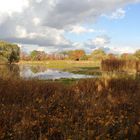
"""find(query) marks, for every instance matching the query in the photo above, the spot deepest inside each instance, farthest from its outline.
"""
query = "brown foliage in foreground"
(120, 65)
(90, 109)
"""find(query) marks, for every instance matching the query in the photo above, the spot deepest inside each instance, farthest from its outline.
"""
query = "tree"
(98, 54)
(76, 54)
(34, 55)
(85, 57)
(137, 54)
(128, 56)
(10, 52)
(38, 55)
(24, 56)
(111, 56)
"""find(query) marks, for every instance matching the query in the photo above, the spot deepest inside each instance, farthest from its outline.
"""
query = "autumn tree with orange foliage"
(76, 54)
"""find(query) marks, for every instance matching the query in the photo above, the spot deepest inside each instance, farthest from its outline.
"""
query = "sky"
(60, 25)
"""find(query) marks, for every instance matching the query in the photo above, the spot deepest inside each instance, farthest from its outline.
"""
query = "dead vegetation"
(90, 109)
(120, 65)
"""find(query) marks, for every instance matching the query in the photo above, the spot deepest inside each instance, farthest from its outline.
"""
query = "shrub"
(120, 65)
(9, 52)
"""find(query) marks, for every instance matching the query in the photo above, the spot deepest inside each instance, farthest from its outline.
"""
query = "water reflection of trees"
(37, 69)
(9, 71)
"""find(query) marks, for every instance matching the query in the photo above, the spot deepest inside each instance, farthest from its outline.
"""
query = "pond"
(38, 72)
(43, 73)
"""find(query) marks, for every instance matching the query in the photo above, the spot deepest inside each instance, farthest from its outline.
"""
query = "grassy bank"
(89, 109)
(78, 67)
(63, 64)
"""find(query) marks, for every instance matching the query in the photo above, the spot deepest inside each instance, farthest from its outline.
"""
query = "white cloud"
(95, 43)
(100, 41)
(44, 22)
(41, 49)
(10, 6)
(120, 48)
(38, 1)
(43, 37)
(118, 14)
(36, 21)
(21, 32)
(78, 29)
(82, 11)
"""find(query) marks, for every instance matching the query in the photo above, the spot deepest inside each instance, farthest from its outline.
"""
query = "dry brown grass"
(90, 109)
(120, 65)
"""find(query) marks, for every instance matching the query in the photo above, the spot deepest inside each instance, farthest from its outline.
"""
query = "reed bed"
(120, 65)
(89, 109)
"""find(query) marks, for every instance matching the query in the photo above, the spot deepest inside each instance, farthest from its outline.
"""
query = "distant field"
(64, 64)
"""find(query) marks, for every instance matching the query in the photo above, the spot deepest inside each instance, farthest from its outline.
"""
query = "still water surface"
(43, 73)
(37, 72)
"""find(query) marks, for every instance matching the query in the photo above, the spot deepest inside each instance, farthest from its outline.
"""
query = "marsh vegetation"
(42, 99)
(87, 109)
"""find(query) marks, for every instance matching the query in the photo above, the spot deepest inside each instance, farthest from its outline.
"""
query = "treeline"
(65, 55)
(10, 53)
(77, 55)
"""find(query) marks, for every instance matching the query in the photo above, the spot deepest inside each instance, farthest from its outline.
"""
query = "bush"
(3, 60)
(120, 65)
(9, 52)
